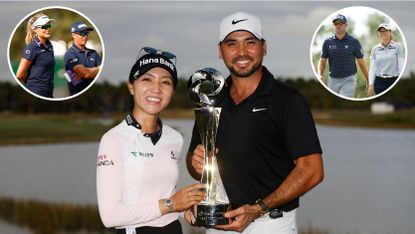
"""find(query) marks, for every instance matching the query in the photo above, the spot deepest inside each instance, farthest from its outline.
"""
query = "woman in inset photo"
(36, 68)
(137, 164)
(387, 60)
(381, 64)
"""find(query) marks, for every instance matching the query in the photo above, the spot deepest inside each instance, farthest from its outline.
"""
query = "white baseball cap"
(385, 26)
(42, 20)
(240, 21)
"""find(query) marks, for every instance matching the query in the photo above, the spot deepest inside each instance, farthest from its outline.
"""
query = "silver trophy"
(207, 87)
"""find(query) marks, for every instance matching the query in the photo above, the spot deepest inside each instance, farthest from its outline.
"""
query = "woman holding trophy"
(137, 164)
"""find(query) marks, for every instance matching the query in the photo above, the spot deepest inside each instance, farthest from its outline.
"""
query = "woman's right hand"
(370, 90)
(22, 69)
(188, 196)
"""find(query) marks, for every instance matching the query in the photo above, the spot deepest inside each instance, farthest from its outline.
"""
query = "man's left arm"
(308, 172)
(358, 53)
(363, 67)
(73, 63)
(86, 72)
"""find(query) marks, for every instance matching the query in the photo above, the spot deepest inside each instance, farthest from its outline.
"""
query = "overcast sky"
(191, 31)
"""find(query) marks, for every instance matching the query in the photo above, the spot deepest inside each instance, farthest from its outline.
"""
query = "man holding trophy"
(266, 148)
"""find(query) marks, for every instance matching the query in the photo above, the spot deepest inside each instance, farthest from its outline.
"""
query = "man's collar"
(77, 49)
(265, 86)
(346, 36)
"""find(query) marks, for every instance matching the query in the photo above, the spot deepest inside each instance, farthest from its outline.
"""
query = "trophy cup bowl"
(207, 88)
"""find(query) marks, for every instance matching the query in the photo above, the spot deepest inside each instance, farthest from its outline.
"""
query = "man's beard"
(244, 73)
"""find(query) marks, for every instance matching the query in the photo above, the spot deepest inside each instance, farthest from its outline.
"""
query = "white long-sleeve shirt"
(386, 61)
(133, 173)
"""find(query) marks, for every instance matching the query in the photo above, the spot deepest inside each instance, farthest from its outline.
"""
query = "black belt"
(275, 213)
(171, 228)
(387, 77)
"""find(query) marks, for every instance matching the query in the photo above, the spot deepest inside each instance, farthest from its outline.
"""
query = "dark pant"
(172, 228)
(382, 84)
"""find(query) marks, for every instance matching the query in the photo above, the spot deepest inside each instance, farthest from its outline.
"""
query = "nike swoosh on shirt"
(235, 22)
(258, 109)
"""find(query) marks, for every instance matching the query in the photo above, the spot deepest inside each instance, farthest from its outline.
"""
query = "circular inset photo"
(55, 53)
(358, 53)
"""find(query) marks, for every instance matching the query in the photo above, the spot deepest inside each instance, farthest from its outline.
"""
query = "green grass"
(47, 217)
(22, 129)
(35, 129)
(363, 118)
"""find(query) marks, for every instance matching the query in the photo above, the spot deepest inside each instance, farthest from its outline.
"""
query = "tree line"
(104, 98)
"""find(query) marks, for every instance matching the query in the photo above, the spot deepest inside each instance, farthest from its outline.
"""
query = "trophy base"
(210, 214)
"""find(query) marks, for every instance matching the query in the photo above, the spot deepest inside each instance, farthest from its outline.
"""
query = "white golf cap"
(240, 21)
(385, 26)
(42, 20)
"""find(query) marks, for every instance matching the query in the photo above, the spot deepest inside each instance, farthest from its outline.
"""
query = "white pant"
(343, 86)
(287, 224)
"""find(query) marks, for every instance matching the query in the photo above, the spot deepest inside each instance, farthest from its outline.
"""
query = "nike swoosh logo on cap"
(235, 22)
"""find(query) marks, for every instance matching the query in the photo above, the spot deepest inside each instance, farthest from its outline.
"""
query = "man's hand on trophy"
(241, 218)
(189, 216)
(188, 196)
(198, 159)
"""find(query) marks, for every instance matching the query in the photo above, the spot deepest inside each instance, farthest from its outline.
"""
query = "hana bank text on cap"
(240, 21)
(153, 58)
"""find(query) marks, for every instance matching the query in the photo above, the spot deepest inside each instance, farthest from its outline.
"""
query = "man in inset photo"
(342, 50)
(81, 63)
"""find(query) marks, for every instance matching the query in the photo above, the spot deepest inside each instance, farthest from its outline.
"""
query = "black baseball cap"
(149, 61)
(341, 18)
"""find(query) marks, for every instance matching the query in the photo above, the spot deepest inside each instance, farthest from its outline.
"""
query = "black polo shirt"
(259, 139)
(342, 55)
(75, 56)
(39, 78)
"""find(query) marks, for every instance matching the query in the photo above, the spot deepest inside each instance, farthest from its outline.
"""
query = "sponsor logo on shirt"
(74, 60)
(102, 160)
(27, 52)
(140, 154)
(173, 156)
(333, 47)
(92, 59)
(258, 109)
(346, 47)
